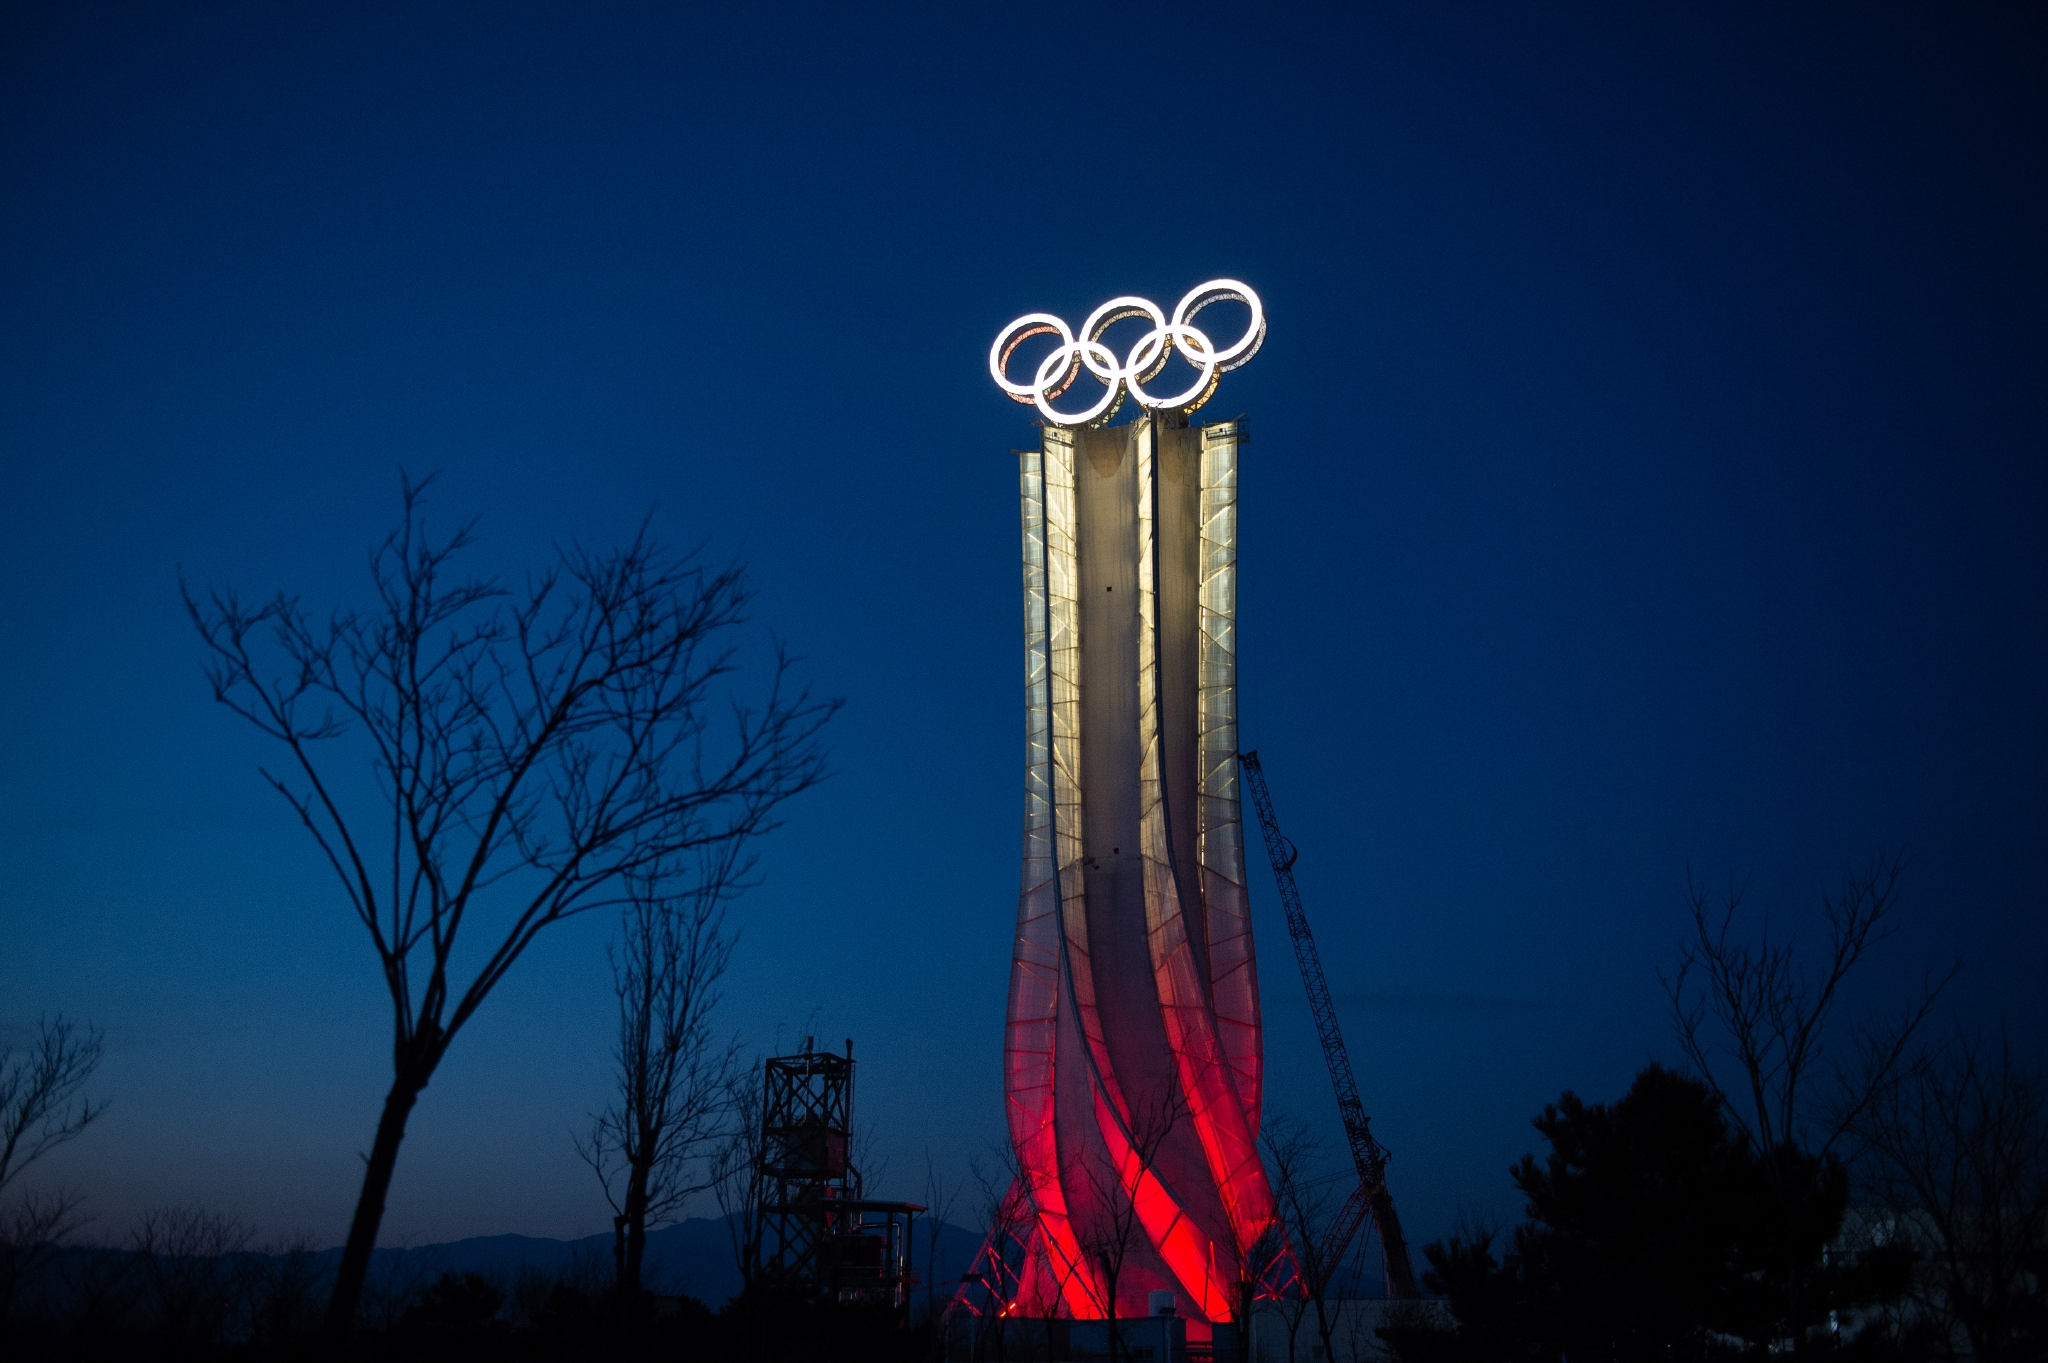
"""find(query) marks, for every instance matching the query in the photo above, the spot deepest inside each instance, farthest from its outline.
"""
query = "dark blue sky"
(1647, 473)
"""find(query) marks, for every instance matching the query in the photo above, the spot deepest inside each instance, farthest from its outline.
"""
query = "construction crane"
(1371, 1196)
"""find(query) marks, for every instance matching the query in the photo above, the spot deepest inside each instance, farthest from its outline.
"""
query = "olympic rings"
(1147, 358)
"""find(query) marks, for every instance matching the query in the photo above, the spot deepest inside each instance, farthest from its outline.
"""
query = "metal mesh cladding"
(1132, 1055)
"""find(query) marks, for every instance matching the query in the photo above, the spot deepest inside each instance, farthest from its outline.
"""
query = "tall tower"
(1132, 1055)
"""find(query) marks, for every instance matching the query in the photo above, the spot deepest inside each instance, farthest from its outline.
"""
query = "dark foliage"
(93, 1304)
(454, 1305)
(781, 1321)
(1655, 1233)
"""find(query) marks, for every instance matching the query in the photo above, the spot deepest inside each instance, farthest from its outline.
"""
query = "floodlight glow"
(1133, 1066)
(1145, 361)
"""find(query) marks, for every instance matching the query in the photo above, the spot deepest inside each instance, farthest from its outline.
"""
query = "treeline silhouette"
(1811, 1188)
(187, 1287)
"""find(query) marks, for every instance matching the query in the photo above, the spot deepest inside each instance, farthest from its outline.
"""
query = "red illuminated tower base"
(1133, 1052)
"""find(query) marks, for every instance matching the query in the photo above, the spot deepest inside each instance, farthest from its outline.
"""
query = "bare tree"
(39, 1111)
(1757, 1015)
(37, 1085)
(1308, 1205)
(186, 1259)
(398, 1278)
(939, 1197)
(98, 1306)
(650, 1149)
(1112, 1228)
(1057, 1276)
(1262, 1261)
(32, 1228)
(1958, 1155)
(735, 1166)
(284, 1284)
(1007, 1213)
(531, 751)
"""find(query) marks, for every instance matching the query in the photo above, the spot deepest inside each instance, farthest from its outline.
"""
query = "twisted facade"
(1132, 1052)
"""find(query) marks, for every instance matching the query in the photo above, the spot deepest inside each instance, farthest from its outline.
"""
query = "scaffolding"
(814, 1227)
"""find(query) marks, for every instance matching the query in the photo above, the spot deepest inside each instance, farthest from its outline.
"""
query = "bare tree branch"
(939, 1197)
(33, 1228)
(1957, 1153)
(1760, 1011)
(37, 1085)
(533, 754)
(1008, 1216)
(734, 1171)
(1112, 1227)
(651, 1150)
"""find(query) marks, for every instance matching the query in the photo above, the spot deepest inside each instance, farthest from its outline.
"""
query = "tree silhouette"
(533, 751)
(1112, 1227)
(650, 1149)
(1755, 1019)
(1305, 1205)
(1260, 1251)
(735, 1173)
(187, 1260)
(1957, 1155)
(1006, 1210)
(939, 1197)
(37, 1085)
(1053, 1273)
(1655, 1232)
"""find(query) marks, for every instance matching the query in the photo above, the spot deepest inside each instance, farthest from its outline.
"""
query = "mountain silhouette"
(688, 1258)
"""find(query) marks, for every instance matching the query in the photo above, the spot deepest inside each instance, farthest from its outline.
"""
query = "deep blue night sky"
(1647, 474)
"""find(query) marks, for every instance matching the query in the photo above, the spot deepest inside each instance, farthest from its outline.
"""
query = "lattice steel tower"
(812, 1225)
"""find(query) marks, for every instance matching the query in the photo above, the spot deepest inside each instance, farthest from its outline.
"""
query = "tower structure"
(1132, 1053)
(811, 1223)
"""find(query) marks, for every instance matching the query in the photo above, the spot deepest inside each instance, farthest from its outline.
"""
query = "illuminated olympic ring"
(1147, 357)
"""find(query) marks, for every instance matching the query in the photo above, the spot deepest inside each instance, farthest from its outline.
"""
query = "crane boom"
(1367, 1153)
